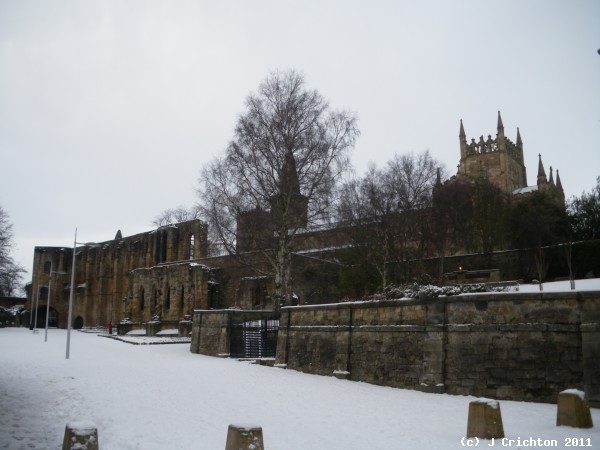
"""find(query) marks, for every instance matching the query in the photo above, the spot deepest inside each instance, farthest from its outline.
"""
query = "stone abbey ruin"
(506, 346)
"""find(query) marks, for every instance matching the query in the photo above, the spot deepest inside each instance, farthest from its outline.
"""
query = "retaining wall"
(211, 329)
(513, 346)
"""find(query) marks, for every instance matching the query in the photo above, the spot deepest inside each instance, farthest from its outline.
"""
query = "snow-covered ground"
(592, 284)
(162, 397)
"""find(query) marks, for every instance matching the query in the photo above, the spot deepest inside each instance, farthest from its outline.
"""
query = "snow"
(81, 428)
(591, 284)
(487, 401)
(155, 397)
(576, 392)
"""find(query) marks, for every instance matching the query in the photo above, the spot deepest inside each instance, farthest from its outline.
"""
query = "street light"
(89, 244)
(48, 302)
(37, 300)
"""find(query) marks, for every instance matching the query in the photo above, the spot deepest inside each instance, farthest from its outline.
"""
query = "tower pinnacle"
(500, 124)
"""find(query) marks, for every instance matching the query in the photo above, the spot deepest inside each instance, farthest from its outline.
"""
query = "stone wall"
(170, 291)
(102, 271)
(514, 346)
(211, 330)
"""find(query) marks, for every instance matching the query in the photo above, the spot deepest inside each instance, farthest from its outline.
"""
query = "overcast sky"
(109, 109)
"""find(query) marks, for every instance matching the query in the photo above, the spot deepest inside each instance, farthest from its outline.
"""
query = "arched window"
(192, 246)
(142, 299)
(168, 298)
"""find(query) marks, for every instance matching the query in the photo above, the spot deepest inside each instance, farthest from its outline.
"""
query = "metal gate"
(254, 339)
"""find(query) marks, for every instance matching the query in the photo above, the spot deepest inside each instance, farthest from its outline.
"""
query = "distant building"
(167, 273)
(500, 161)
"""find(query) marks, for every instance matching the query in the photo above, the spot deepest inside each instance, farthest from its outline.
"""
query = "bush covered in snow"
(416, 290)
(9, 316)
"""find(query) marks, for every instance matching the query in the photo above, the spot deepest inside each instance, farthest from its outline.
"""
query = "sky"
(109, 109)
(157, 397)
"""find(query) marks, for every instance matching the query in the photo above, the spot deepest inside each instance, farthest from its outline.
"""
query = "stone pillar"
(124, 327)
(153, 327)
(342, 344)
(80, 436)
(485, 419)
(281, 355)
(434, 349)
(244, 437)
(195, 345)
(573, 410)
(590, 343)
(185, 327)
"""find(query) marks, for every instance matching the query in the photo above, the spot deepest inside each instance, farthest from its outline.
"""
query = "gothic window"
(192, 246)
(47, 267)
(160, 248)
(168, 298)
(213, 295)
(257, 297)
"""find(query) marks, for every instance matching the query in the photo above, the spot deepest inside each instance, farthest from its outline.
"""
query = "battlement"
(493, 145)
(498, 160)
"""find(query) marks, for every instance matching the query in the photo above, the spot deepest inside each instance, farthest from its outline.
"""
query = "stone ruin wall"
(169, 291)
(506, 346)
(102, 273)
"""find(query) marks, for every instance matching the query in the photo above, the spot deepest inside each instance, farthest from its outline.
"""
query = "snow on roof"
(525, 190)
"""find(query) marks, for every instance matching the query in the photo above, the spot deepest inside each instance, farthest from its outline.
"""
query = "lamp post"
(37, 299)
(70, 316)
(48, 301)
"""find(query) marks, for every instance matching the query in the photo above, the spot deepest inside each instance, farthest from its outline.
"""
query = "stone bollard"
(244, 437)
(573, 410)
(80, 436)
(485, 419)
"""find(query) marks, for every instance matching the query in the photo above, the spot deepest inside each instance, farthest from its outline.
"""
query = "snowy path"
(164, 397)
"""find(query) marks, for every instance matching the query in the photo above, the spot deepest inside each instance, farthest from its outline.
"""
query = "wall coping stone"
(463, 298)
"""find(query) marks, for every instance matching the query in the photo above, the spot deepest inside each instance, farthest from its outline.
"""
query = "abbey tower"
(498, 160)
(501, 162)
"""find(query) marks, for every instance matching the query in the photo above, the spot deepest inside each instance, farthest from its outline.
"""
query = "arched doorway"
(41, 317)
(78, 323)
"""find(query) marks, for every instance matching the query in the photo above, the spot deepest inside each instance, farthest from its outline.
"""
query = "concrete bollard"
(244, 437)
(485, 419)
(80, 436)
(573, 410)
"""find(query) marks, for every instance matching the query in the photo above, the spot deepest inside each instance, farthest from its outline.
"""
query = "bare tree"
(412, 177)
(383, 208)
(490, 218)
(368, 206)
(176, 215)
(11, 273)
(278, 173)
(450, 228)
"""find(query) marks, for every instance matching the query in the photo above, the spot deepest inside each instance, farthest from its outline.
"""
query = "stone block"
(573, 410)
(80, 436)
(185, 328)
(244, 437)
(485, 419)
